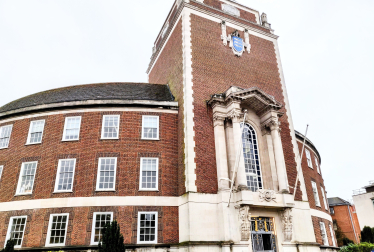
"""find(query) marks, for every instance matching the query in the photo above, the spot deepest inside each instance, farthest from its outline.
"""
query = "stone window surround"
(263, 108)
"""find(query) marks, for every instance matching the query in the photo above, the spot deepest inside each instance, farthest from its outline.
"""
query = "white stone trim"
(91, 110)
(189, 133)
(290, 121)
(320, 214)
(255, 12)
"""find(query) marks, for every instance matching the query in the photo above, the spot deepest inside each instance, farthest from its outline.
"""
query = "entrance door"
(262, 233)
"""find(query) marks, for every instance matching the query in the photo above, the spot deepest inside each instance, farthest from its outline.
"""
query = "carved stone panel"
(267, 195)
(286, 216)
(245, 223)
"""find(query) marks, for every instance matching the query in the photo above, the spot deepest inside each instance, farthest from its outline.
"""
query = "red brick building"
(345, 217)
(204, 159)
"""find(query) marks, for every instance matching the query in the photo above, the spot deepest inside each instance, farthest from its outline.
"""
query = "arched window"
(251, 158)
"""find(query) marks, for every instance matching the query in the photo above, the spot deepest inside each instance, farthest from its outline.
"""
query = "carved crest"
(286, 216)
(237, 44)
(267, 195)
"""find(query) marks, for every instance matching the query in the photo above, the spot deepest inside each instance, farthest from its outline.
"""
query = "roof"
(336, 201)
(119, 91)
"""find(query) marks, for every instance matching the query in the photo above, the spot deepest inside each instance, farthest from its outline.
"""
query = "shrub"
(112, 239)
(9, 246)
(367, 235)
(346, 241)
(362, 247)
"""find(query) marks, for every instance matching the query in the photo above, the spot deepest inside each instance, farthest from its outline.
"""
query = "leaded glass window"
(36, 132)
(251, 158)
(98, 223)
(5, 132)
(150, 127)
(149, 174)
(110, 128)
(27, 177)
(106, 175)
(57, 229)
(65, 175)
(16, 230)
(147, 227)
(72, 128)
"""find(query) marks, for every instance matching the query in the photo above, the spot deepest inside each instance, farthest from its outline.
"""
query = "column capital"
(270, 124)
(218, 120)
(235, 115)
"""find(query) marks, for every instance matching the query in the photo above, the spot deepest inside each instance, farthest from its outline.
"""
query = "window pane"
(17, 230)
(251, 158)
(147, 228)
(150, 127)
(5, 132)
(36, 131)
(99, 222)
(72, 127)
(149, 173)
(111, 125)
(65, 175)
(107, 170)
(58, 229)
(27, 177)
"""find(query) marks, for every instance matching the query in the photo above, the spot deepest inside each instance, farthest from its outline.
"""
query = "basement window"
(5, 132)
(16, 230)
(98, 223)
(57, 229)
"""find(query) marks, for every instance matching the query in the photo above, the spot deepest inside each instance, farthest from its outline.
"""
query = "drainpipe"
(354, 230)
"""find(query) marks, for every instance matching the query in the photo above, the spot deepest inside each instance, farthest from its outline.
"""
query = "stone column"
(221, 153)
(241, 178)
(278, 153)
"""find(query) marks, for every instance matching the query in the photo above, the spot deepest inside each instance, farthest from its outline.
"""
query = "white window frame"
(98, 175)
(94, 225)
(325, 239)
(79, 129)
(324, 198)
(10, 227)
(158, 128)
(141, 170)
(58, 176)
(317, 164)
(11, 129)
(29, 135)
(308, 158)
(103, 125)
(1, 170)
(47, 244)
(315, 193)
(20, 176)
(332, 236)
(156, 227)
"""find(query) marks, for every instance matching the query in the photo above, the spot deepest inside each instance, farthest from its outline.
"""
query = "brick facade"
(348, 226)
(317, 230)
(79, 229)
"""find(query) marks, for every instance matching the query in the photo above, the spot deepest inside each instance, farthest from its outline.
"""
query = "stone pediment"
(253, 98)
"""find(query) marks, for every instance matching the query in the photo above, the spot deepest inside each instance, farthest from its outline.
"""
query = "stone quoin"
(204, 157)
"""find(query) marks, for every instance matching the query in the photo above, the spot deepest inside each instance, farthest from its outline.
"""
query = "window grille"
(149, 173)
(36, 132)
(72, 128)
(262, 234)
(324, 234)
(65, 175)
(16, 230)
(308, 158)
(98, 223)
(317, 164)
(315, 193)
(106, 175)
(27, 177)
(5, 133)
(57, 229)
(251, 158)
(150, 127)
(110, 129)
(147, 227)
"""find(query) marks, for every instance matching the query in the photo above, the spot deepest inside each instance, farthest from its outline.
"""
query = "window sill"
(148, 190)
(23, 194)
(69, 140)
(97, 190)
(55, 245)
(109, 138)
(2, 148)
(146, 242)
(33, 143)
(151, 139)
(57, 192)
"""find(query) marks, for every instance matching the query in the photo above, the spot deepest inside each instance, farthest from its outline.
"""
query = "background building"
(205, 159)
(345, 217)
(364, 202)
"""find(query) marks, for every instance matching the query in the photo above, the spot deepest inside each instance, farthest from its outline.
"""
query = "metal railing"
(359, 191)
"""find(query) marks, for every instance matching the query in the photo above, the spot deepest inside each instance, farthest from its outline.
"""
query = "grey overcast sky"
(326, 49)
